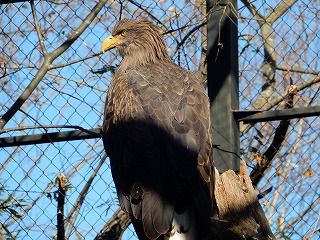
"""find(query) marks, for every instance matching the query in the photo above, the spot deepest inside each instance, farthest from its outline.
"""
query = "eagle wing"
(157, 135)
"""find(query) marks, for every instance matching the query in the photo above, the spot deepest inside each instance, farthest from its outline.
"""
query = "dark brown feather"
(157, 134)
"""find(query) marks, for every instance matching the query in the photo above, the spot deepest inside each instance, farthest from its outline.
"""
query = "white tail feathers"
(184, 226)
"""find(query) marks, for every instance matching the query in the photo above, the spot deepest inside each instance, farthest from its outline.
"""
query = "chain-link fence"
(279, 68)
(53, 79)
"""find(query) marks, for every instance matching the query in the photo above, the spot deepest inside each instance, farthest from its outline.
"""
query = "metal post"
(223, 83)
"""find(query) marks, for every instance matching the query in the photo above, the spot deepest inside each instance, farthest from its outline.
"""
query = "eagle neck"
(138, 61)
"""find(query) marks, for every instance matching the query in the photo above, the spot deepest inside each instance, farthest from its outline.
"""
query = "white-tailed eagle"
(156, 132)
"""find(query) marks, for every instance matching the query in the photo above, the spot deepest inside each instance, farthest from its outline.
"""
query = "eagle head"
(138, 40)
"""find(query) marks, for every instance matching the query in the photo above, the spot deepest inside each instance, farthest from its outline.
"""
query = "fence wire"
(279, 48)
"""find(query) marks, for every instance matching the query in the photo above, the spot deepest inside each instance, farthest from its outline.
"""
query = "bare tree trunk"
(115, 227)
(266, 100)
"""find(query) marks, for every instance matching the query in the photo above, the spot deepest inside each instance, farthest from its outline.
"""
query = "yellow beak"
(109, 43)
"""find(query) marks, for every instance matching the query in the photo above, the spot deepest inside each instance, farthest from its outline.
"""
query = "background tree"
(51, 80)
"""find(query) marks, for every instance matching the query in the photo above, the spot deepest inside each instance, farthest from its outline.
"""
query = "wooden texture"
(240, 213)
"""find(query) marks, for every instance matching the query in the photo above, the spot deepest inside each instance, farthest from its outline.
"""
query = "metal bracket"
(275, 115)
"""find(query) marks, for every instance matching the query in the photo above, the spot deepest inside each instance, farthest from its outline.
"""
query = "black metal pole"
(276, 115)
(223, 83)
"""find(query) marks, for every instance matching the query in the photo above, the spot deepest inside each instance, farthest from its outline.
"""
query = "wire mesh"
(279, 68)
(279, 57)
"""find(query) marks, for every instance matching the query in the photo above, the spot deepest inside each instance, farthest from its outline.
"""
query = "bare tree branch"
(244, 128)
(297, 70)
(46, 191)
(38, 30)
(138, 5)
(266, 159)
(289, 158)
(75, 61)
(74, 212)
(46, 65)
(270, 55)
(203, 60)
(254, 11)
(283, 6)
(8, 160)
(305, 84)
(115, 227)
(74, 35)
(25, 95)
(303, 213)
(185, 38)
(79, 83)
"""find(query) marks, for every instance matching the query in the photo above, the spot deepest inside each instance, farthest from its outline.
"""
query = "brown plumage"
(156, 131)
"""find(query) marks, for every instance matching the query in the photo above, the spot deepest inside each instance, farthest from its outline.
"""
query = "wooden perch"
(240, 213)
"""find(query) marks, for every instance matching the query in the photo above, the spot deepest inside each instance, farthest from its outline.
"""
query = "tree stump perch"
(240, 213)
